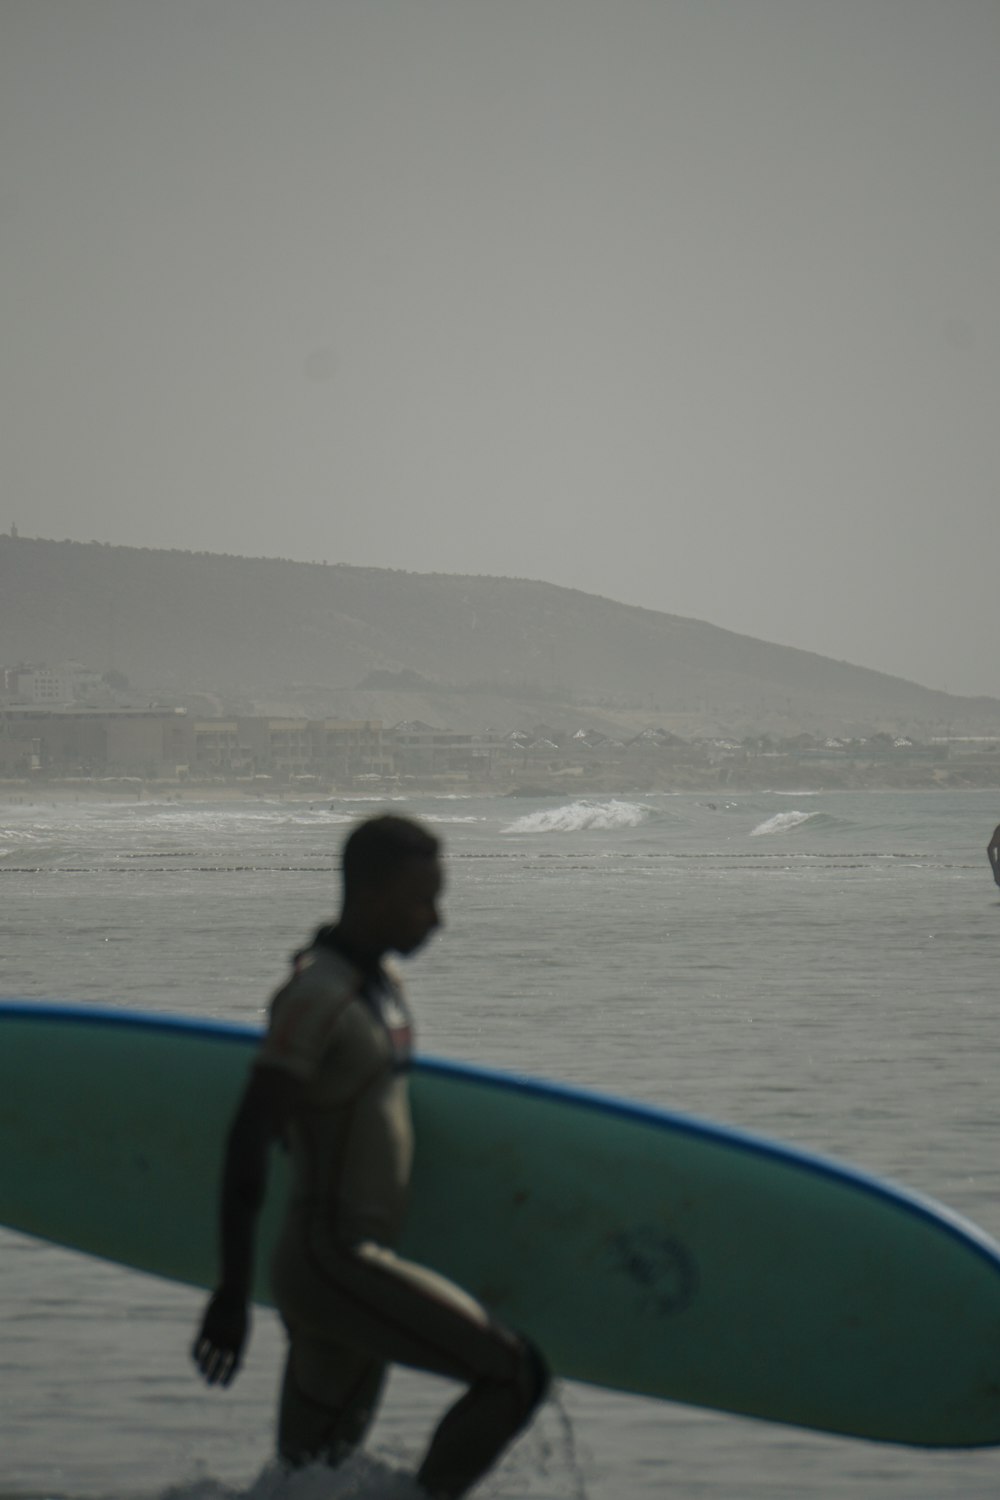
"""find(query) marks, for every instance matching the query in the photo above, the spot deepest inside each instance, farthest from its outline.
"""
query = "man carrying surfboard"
(330, 1081)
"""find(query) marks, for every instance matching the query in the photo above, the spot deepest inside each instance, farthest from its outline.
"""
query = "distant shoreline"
(752, 777)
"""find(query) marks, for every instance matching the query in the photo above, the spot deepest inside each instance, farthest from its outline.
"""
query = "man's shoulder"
(323, 968)
(305, 1012)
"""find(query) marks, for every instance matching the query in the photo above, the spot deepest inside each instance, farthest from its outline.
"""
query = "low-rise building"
(350, 747)
(217, 748)
(93, 741)
(422, 750)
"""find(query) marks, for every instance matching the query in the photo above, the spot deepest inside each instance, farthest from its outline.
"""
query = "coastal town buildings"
(56, 723)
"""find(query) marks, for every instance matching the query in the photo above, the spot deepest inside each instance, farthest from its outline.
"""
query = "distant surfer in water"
(993, 850)
(330, 1081)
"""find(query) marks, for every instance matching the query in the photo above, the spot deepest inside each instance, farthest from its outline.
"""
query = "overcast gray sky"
(691, 303)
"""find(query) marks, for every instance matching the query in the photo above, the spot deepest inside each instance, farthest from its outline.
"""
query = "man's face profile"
(408, 902)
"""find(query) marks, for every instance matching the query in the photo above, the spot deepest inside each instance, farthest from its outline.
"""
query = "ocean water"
(818, 967)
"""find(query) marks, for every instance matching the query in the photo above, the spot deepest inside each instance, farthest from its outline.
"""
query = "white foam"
(782, 823)
(361, 1477)
(577, 816)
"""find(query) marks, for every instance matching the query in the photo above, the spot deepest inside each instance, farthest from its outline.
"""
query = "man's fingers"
(217, 1365)
(218, 1346)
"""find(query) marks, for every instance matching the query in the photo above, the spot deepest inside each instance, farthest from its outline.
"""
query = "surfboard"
(645, 1251)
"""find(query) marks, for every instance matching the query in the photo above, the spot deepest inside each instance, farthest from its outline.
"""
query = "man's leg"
(389, 1311)
(328, 1399)
(474, 1432)
(409, 1315)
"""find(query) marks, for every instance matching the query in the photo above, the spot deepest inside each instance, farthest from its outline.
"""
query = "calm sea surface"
(818, 967)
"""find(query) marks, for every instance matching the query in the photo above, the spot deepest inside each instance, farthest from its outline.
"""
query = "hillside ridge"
(319, 636)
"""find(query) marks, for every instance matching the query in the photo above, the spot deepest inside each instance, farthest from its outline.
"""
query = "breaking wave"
(575, 817)
(784, 822)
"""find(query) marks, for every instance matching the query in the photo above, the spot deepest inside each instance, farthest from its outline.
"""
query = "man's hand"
(218, 1349)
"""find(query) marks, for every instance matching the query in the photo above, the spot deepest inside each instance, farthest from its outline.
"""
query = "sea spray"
(563, 1448)
(359, 1477)
(548, 1450)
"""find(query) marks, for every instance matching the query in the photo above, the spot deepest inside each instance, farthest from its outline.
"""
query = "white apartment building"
(70, 682)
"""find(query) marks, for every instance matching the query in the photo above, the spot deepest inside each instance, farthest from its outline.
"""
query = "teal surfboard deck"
(644, 1251)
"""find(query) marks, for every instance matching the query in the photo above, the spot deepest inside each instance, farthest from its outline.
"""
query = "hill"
(465, 652)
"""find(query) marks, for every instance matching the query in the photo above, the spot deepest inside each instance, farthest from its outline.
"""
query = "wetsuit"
(351, 1306)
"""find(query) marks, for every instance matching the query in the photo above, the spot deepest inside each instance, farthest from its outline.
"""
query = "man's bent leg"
(386, 1310)
(429, 1323)
(328, 1400)
(475, 1431)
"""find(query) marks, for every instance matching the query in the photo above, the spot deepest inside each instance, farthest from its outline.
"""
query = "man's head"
(392, 882)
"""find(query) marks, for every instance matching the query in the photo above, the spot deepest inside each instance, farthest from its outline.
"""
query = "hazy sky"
(691, 303)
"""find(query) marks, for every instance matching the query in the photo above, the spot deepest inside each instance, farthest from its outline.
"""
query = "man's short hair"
(377, 847)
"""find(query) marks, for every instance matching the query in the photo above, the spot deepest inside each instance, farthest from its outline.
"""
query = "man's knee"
(532, 1381)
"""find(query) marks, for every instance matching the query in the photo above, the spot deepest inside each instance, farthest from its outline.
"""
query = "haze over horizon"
(690, 305)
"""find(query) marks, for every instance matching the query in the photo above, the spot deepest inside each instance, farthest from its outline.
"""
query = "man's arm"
(267, 1103)
(993, 850)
